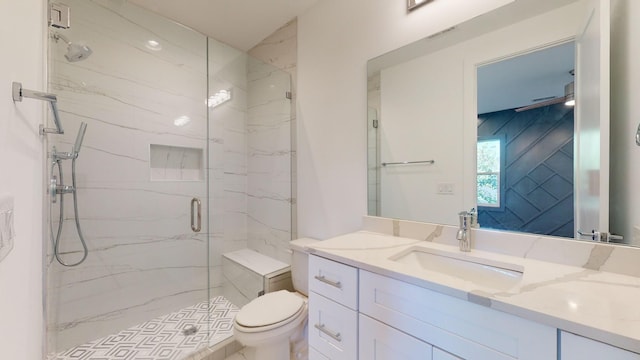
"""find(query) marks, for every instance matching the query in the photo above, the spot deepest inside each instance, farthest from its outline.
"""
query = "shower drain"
(189, 330)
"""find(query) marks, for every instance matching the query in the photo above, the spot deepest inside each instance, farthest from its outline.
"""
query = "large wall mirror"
(519, 113)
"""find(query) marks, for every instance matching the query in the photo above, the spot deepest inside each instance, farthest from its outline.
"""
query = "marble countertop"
(599, 305)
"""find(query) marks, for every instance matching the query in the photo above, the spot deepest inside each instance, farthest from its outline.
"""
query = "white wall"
(336, 38)
(21, 152)
(625, 115)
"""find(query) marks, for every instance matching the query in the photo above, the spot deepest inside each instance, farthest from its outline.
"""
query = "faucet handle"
(473, 214)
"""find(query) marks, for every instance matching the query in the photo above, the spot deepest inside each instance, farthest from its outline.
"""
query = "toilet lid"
(269, 309)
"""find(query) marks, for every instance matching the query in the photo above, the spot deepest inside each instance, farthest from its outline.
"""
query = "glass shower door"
(141, 179)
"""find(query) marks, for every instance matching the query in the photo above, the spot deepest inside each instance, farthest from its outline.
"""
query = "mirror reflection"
(525, 143)
(485, 102)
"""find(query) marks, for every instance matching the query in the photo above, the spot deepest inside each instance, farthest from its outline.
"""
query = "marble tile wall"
(144, 261)
(617, 259)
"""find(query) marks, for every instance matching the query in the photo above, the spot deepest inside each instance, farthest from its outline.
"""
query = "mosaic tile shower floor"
(162, 338)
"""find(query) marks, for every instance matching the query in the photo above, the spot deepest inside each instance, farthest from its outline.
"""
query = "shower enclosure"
(178, 125)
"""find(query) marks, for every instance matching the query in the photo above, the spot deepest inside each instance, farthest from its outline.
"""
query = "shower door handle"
(196, 219)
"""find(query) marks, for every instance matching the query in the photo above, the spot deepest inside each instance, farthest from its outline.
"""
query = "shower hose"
(56, 238)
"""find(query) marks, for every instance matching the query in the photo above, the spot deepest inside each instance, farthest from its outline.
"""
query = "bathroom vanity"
(377, 296)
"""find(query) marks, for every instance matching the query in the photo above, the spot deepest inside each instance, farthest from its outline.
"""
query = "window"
(489, 172)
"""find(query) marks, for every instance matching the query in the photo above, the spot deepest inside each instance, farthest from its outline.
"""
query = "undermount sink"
(493, 274)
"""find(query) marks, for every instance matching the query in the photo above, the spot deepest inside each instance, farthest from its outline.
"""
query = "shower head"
(79, 138)
(75, 51)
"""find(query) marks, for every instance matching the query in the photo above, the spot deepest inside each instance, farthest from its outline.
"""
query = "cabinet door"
(573, 347)
(381, 342)
(443, 355)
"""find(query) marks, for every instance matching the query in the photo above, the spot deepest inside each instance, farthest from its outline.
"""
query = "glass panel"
(250, 156)
(373, 162)
(144, 84)
(488, 156)
(250, 166)
(489, 190)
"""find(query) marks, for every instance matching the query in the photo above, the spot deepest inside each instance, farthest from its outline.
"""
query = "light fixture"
(569, 98)
(153, 45)
(219, 98)
(182, 120)
(414, 4)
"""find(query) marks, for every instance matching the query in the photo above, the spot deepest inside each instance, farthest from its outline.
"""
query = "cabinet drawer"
(333, 328)
(333, 280)
(382, 342)
(468, 330)
(574, 347)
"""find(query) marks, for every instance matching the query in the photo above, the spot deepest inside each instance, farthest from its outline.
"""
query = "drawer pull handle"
(334, 335)
(337, 284)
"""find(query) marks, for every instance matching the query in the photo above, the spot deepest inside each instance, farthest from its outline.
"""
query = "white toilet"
(272, 322)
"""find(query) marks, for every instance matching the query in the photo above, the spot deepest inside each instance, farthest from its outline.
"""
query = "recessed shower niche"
(175, 163)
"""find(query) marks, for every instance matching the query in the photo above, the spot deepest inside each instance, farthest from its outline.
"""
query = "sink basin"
(483, 272)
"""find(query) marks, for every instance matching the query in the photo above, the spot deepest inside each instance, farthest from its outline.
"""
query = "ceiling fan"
(568, 99)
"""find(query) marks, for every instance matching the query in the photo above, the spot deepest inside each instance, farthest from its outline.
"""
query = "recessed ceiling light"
(153, 45)
(219, 98)
(182, 120)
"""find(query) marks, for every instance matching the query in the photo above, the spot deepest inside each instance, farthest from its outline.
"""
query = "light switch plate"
(445, 189)
(7, 232)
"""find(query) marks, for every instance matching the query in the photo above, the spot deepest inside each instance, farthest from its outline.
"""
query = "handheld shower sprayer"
(59, 155)
(79, 138)
(56, 189)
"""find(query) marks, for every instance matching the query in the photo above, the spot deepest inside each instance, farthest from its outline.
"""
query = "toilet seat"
(270, 311)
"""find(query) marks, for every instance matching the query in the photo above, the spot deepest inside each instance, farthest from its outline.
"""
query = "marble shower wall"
(144, 261)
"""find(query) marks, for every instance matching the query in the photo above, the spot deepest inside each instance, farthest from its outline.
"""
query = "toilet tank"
(300, 264)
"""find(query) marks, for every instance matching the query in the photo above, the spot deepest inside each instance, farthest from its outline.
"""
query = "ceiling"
(239, 23)
(526, 79)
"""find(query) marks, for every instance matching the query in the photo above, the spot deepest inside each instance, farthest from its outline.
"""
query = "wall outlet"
(445, 189)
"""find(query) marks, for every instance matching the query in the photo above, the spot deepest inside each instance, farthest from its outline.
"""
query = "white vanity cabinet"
(461, 328)
(333, 310)
(574, 347)
(356, 314)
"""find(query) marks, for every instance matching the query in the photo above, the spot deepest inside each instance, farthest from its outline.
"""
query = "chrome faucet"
(468, 220)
